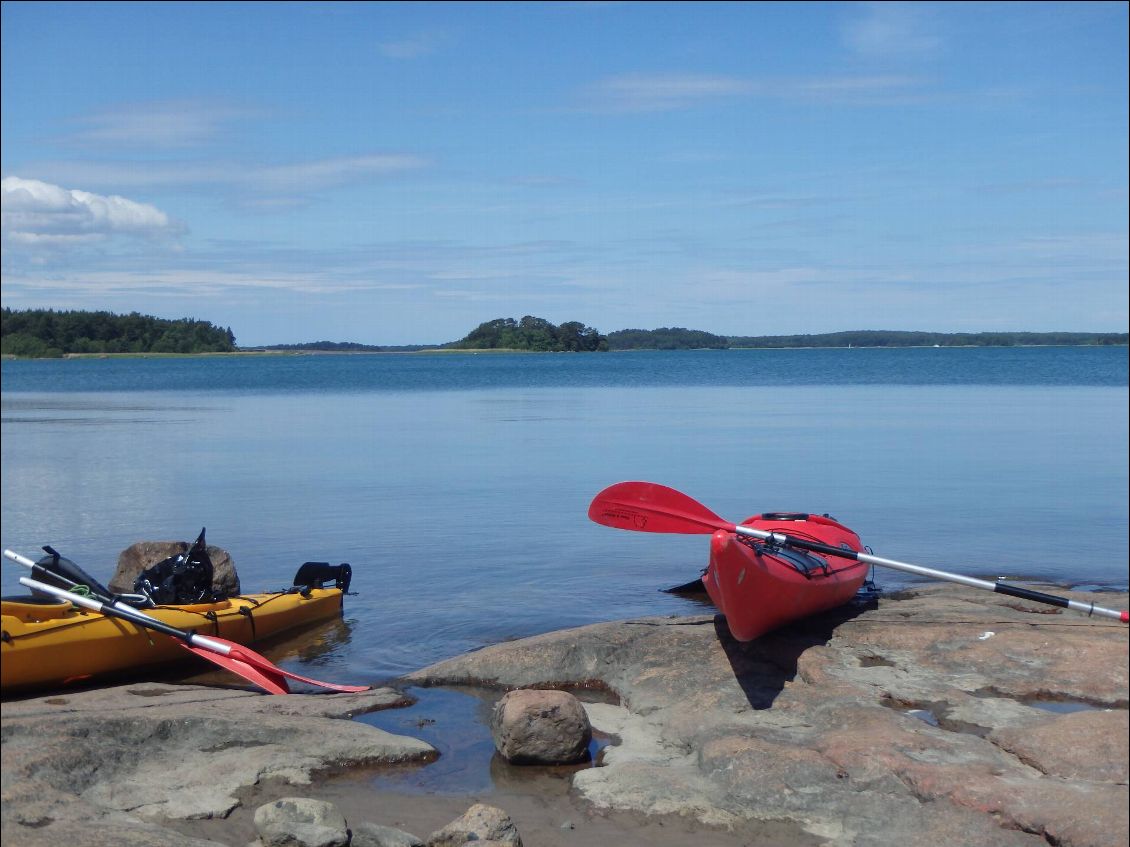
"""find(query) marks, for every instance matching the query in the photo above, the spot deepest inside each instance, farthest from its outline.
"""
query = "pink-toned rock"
(1091, 745)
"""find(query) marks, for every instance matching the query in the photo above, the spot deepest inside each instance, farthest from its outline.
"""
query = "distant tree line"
(892, 338)
(677, 338)
(349, 347)
(666, 338)
(534, 334)
(45, 333)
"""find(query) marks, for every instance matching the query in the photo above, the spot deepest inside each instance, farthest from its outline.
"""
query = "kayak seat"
(34, 607)
(317, 574)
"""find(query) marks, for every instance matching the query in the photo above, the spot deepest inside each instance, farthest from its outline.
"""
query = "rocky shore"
(938, 716)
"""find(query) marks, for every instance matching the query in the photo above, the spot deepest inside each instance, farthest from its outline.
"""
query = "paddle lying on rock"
(651, 507)
(236, 658)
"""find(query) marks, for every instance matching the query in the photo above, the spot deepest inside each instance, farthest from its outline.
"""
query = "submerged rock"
(480, 823)
(301, 822)
(376, 835)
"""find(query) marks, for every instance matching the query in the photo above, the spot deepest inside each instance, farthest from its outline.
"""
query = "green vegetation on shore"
(893, 338)
(45, 333)
(347, 347)
(677, 338)
(534, 334)
(666, 338)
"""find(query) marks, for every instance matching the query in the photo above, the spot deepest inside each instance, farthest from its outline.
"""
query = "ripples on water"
(453, 371)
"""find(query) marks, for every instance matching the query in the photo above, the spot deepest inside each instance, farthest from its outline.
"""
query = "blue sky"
(398, 173)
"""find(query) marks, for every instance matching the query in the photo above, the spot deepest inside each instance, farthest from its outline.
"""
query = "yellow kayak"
(49, 643)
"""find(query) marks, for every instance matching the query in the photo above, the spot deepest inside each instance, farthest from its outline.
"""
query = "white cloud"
(664, 92)
(39, 213)
(410, 48)
(630, 93)
(326, 173)
(893, 31)
(271, 180)
(156, 125)
(171, 281)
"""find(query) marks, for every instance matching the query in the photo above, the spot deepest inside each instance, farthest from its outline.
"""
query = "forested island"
(44, 333)
(535, 334)
(529, 334)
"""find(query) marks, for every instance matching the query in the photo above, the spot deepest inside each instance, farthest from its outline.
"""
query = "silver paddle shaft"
(782, 540)
(129, 613)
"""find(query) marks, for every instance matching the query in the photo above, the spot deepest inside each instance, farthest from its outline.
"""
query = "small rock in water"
(301, 822)
(540, 727)
(375, 835)
(479, 823)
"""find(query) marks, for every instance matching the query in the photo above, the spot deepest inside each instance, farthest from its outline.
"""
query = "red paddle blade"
(250, 657)
(651, 507)
(270, 682)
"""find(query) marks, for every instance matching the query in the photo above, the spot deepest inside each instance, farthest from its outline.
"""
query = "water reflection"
(318, 646)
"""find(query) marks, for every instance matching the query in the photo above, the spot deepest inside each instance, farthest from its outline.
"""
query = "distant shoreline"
(48, 334)
(432, 351)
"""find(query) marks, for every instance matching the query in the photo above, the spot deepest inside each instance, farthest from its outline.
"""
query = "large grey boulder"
(301, 822)
(144, 554)
(540, 727)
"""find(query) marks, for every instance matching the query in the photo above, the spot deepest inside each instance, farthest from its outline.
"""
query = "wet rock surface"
(106, 765)
(936, 716)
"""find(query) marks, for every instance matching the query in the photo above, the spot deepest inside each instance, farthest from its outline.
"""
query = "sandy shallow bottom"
(545, 815)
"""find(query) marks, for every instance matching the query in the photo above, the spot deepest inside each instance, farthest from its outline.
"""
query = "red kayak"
(776, 568)
(759, 586)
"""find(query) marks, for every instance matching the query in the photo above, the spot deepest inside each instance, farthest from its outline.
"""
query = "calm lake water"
(457, 485)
